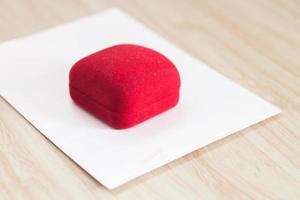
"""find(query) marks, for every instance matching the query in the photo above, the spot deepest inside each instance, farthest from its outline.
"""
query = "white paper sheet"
(34, 79)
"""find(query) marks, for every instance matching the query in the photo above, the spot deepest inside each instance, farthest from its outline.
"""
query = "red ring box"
(125, 84)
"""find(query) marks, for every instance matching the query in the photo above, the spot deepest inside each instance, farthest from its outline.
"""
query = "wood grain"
(255, 43)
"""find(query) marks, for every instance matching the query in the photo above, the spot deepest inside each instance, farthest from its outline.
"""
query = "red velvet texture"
(124, 85)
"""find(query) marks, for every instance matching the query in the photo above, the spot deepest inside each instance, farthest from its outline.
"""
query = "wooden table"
(255, 43)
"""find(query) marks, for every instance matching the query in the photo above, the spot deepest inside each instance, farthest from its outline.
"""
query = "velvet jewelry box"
(124, 85)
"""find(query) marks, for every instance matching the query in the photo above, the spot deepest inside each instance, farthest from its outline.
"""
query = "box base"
(122, 120)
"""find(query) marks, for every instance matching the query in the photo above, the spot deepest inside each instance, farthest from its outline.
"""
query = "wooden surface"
(255, 43)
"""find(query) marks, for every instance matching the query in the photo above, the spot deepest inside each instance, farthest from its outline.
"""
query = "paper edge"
(111, 185)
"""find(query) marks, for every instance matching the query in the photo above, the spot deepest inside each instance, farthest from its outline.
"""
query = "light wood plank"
(255, 43)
